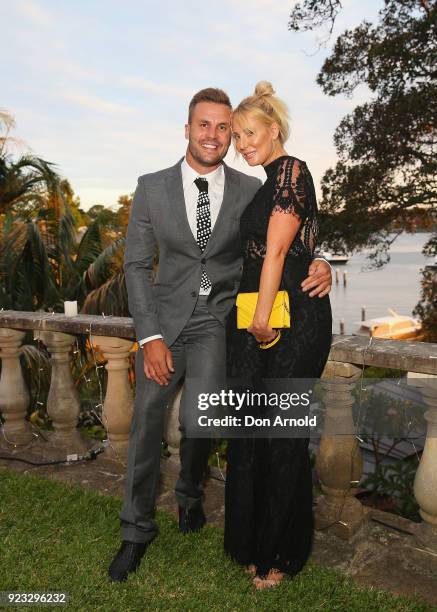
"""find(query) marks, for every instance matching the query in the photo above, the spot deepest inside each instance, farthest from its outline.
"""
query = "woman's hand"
(262, 331)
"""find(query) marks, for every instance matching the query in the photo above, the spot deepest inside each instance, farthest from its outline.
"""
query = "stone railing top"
(97, 325)
(397, 354)
(406, 355)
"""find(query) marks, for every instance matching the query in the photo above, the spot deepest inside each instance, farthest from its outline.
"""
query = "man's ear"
(187, 131)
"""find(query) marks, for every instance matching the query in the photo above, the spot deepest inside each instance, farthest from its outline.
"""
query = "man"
(191, 212)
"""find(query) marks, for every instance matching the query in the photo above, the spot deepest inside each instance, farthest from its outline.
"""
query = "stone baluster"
(339, 462)
(118, 403)
(63, 404)
(172, 433)
(14, 395)
(425, 483)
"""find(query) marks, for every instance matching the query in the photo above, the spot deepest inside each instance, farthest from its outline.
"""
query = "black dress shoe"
(191, 519)
(126, 560)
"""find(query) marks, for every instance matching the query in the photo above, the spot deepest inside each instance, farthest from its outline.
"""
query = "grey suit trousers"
(198, 352)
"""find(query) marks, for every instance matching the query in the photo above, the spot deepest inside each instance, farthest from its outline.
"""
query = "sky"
(102, 88)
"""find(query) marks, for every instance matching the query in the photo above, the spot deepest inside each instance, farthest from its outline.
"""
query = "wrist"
(260, 321)
(150, 343)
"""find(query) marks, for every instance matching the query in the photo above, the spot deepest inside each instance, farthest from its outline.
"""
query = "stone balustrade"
(338, 464)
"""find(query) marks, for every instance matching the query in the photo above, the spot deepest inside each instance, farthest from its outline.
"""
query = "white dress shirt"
(216, 187)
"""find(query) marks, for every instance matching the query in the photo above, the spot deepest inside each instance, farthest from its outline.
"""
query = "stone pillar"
(14, 395)
(118, 404)
(425, 483)
(63, 404)
(339, 462)
(172, 433)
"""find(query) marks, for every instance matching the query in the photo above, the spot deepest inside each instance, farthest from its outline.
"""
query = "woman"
(268, 524)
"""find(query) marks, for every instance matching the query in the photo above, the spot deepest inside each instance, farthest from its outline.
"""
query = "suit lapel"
(227, 208)
(175, 193)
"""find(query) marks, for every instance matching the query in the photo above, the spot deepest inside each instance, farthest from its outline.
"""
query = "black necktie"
(203, 222)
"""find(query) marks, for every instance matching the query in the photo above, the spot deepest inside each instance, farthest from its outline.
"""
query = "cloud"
(157, 88)
(35, 13)
(95, 103)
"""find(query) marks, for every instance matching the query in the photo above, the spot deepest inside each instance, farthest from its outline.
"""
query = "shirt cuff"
(149, 339)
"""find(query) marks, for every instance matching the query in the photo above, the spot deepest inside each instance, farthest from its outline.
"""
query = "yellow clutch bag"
(246, 304)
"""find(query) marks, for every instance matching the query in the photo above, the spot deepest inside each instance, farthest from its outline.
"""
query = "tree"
(23, 181)
(42, 264)
(313, 14)
(125, 203)
(43, 261)
(387, 167)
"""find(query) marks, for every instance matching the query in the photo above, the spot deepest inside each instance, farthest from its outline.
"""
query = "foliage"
(312, 14)
(124, 203)
(396, 480)
(426, 309)
(44, 260)
(73, 203)
(42, 265)
(24, 181)
(387, 164)
(385, 422)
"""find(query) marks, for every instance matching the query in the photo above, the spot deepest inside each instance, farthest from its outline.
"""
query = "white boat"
(335, 258)
(432, 266)
(393, 327)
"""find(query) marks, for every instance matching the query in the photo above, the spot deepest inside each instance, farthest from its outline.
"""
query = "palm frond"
(99, 271)
(110, 298)
(90, 246)
(37, 361)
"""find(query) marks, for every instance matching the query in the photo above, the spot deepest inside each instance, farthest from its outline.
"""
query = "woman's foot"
(251, 570)
(272, 579)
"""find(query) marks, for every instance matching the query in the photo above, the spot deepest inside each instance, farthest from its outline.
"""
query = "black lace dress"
(268, 519)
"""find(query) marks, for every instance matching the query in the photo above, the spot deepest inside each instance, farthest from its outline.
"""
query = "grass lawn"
(56, 537)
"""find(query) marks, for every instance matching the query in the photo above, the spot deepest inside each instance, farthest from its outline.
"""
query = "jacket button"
(203, 260)
(193, 294)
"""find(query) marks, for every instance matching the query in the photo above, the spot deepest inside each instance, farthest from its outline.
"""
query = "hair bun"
(264, 88)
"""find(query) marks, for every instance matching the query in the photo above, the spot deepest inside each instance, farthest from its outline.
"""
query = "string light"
(38, 433)
(355, 448)
(103, 420)
(219, 467)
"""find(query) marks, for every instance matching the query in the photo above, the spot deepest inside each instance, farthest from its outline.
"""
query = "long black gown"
(268, 518)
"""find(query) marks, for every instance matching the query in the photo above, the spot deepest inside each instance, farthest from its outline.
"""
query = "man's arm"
(138, 268)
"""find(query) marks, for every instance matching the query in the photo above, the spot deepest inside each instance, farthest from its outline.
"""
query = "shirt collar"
(189, 175)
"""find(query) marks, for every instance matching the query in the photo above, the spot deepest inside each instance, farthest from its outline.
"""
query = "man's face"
(208, 135)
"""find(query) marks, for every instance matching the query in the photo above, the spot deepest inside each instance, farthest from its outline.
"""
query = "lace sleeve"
(294, 191)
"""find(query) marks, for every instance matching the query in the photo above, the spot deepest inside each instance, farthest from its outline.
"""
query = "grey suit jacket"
(158, 218)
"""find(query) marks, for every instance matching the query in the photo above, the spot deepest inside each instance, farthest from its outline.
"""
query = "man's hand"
(158, 362)
(319, 278)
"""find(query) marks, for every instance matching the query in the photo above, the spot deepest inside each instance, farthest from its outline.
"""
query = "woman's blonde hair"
(264, 105)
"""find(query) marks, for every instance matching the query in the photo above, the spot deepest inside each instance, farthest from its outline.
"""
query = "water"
(396, 285)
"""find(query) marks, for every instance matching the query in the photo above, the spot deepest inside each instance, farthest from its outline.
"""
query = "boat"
(391, 327)
(432, 267)
(335, 258)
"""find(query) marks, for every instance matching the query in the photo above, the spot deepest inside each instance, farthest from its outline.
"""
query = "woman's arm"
(289, 208)
(280, 234)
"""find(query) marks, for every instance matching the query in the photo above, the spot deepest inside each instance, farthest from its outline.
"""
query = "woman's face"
(257, 142)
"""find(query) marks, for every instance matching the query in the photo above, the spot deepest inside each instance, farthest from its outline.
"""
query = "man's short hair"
(210, 94)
